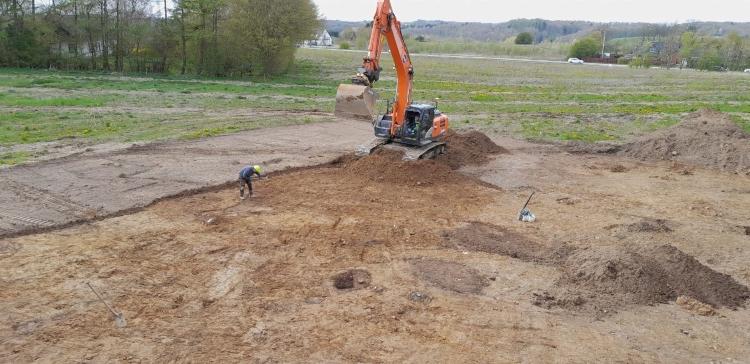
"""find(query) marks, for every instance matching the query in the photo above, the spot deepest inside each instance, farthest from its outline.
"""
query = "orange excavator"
(417, 129)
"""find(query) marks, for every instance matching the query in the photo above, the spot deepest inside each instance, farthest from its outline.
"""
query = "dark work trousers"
(249, 183)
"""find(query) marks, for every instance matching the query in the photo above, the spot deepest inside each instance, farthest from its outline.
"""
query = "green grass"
(577, 131)
(25, 127)
(551, 51)
(13, 158)
(531, 100)
(25, 101)
(742, 122)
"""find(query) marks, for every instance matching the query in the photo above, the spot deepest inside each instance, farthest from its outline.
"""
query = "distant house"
(322, 39)
(656, 47)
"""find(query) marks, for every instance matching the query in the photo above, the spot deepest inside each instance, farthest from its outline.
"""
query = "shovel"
(119, 318)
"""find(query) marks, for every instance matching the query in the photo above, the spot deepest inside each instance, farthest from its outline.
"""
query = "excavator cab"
(424, 125)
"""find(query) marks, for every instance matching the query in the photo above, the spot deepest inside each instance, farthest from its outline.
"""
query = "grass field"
(531, 100)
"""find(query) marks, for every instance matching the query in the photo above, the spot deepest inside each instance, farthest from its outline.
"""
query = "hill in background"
(544, 30)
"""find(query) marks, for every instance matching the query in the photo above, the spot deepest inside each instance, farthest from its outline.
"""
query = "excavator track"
(367, 149)
(429, 151)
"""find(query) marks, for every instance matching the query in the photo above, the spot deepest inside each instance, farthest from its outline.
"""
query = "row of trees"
(205, 37)
(676, 48)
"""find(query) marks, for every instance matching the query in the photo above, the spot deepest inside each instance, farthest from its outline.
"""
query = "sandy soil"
(86, 182)
(341, 264)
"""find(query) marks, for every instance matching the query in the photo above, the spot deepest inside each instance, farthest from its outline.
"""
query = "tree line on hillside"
(676, 48)
(204, 37)
(544, 30)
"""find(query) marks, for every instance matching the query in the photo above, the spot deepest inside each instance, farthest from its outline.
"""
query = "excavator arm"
(386, 25)
(356, 99)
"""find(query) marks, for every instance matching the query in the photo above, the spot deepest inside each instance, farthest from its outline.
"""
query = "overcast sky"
(657, 11)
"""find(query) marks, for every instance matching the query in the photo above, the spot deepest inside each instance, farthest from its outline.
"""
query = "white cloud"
(658, 11)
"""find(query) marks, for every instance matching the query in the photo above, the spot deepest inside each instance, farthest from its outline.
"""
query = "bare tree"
(104, 21)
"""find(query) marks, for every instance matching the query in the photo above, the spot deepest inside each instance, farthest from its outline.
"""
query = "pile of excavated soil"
(604, 279)
(386, 165)
(472, 148)
(610, 277)
(705, 138)
(650, 226)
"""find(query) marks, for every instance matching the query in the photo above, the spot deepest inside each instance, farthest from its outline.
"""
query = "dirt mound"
(491, 239)
(450, 276)
(387, 166)
(705, 138)
(472, 148)
(650, 226)
(611, 277)
(604, 279)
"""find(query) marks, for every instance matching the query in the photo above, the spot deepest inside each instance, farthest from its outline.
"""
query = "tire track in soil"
(48, 199)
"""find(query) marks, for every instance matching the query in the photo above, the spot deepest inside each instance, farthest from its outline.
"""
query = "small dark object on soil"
(618, 169)
(352, 279)
(417, 296)
(543, 299)
(650, 226)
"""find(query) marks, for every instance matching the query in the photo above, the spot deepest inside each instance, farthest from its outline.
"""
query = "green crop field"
(547, 101)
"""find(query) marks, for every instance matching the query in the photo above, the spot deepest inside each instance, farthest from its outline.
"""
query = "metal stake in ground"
(119, 318)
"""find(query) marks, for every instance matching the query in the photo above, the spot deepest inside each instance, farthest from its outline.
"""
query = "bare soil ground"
(105, 180)
(378, 260)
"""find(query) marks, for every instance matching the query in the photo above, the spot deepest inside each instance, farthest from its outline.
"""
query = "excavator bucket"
(356, 101)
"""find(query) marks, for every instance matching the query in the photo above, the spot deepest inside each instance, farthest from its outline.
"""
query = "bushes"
(344, 45)
(586, 47)
(641, 62)
(710, 61)
(524, 38)
(265, 33)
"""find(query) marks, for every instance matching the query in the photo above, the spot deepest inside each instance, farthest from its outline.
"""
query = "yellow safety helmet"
(257, 169)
